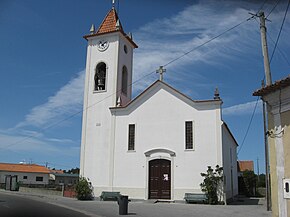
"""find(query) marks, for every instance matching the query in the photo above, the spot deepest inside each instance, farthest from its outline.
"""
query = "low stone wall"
(43, 191)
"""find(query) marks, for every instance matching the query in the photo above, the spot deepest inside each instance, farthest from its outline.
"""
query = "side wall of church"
(229, 164)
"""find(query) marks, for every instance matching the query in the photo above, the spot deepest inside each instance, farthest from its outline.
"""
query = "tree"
(73, 171)
(211, 183)
(262, 181)
(249, 178)
(84, 189)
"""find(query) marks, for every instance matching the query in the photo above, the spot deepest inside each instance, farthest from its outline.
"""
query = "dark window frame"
(39, 178)
(131, 137)
(188, 135)
(24, 177)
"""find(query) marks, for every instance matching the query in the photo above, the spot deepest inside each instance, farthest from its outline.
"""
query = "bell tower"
(107, 84)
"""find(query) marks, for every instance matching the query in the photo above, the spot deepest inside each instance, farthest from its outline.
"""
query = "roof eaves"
(273, 87)
(228, 129)
(162, 82)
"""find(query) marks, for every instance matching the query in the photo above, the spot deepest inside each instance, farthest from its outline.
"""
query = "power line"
(249, 125)
(280, 31)
(112, 94)
(208, 41)
(281, 52)
(277, 2)
(262, 6)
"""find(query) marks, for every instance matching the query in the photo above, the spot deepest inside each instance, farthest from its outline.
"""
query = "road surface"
(17, 206)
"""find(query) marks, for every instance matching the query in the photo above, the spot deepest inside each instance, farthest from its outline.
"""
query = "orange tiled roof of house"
(245, 165)
(273, 87)
(25, 168)
(56, 171)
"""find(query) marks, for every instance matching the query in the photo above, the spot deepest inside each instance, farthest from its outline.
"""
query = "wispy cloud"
(65, 101)
(244, 108)
(166, 39)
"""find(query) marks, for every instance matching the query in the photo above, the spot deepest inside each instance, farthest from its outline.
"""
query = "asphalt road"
(15, 206)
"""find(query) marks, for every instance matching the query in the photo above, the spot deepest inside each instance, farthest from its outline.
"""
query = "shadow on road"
(247, 201)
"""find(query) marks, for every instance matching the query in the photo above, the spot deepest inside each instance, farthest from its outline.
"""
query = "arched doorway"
(159, 179)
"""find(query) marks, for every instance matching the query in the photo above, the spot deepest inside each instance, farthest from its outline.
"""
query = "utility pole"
(258, 169)
(265, 48)
(268, 82)
(267, 167)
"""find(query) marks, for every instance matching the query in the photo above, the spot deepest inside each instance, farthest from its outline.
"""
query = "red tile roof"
(25, 168)
(273, 87)
(56, 171)
(109, 25)
(244, 165)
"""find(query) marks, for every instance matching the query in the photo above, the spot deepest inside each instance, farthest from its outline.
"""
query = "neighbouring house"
(248, 188)
(277, 98)
(64, 179)
(27, 174)
(244, 165)
(156, 145)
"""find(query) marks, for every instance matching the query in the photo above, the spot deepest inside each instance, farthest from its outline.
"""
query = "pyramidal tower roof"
(111, 24)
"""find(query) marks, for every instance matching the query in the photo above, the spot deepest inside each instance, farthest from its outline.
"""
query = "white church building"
(156, 145)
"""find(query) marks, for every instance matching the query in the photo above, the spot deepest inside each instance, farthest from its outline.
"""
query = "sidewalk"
(243, 207)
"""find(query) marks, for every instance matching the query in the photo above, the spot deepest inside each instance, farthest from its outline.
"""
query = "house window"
(188, 135)
(124, 80)
(39, 179)
(24, 177)
(100, 77)
(131, 137)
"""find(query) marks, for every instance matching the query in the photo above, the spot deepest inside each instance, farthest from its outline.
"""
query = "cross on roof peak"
(161, 70)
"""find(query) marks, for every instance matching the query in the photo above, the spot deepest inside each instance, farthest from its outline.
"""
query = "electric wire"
(281, 52)
(278, 37)
(249, 125)
(262, 6)
(136, 81)
(277, 2)
(276, 43)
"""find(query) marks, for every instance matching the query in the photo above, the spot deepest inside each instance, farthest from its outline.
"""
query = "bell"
(101, 82)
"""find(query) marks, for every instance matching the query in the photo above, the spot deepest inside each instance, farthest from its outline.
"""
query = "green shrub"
(84, 189)
(211, 183)
(250, 178)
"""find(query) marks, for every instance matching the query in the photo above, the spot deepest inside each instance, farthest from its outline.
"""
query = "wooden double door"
(160, 179)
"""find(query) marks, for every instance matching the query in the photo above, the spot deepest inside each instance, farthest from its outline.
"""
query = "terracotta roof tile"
(276, 86)
(245, 165)
(25, 168)
(109, 23)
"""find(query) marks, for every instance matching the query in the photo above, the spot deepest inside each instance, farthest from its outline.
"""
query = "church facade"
(156, 145)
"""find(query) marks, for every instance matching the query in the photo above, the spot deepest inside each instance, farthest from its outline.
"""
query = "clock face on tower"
(103, 45)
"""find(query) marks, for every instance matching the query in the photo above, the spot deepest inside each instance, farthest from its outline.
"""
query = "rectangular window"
(131, 137)
(188, 135)
(39, 179)
(24, 177)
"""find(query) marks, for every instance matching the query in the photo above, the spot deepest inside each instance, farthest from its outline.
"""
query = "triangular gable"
(229, 131)
(171, 90)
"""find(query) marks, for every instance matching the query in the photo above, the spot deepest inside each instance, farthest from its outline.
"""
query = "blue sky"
(43, 56)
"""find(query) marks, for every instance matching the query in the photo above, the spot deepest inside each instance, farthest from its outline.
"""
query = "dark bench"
(195, 197)
(107, 195)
